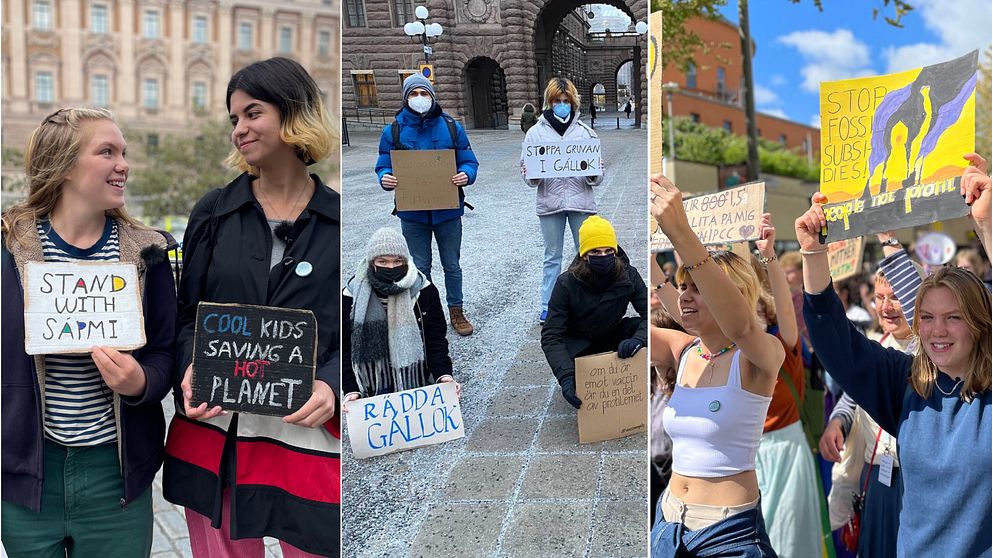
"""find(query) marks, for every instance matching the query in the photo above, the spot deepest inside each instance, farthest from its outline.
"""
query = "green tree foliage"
(716, 146)
(170, 179)
(983, 110)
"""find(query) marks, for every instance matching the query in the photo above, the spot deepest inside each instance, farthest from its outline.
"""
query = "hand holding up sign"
(459, 179)
(666, 206)
(974, 183)
(816, 270)
(766, 237)
(318, 409)
(120, 371)
(200, 412)
(389, 181)
(449, 378)
(353, 396)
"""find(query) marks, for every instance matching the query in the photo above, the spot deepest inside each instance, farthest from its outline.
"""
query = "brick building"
(491, 58)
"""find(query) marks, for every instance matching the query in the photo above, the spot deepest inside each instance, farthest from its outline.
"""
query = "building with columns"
(160, 65)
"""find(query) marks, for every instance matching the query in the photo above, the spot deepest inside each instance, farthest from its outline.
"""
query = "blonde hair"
(791, 259)
(51, 154)
(558, 87)
(738, 270)
(975, 304)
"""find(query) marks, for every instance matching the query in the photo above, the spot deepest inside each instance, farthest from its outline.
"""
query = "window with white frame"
(99, 21)
(245, 39)
(150, 93)
(42, 15)
(199, 95)
(324, 44)
(100, 90)
(43, 87)
(285, 39)
(151, 24)
(200, 29)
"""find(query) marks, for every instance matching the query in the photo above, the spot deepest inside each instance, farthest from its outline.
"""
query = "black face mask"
(390, 274)
(602, 265)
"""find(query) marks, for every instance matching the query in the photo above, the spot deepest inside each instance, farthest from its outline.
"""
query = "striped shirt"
(79, 407)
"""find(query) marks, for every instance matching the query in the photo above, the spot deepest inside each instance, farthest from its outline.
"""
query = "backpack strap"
(395, 128)
(452, 129)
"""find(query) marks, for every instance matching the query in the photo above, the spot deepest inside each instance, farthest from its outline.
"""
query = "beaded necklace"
(710, 356)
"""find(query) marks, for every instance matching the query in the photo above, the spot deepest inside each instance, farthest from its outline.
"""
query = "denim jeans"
(739, 536)
(449, 247)
(81, 513)
(553, 230)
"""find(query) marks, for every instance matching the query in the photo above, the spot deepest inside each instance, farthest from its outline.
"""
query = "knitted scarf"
(387, 350)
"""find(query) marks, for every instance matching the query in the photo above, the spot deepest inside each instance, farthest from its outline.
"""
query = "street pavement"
(518, 484)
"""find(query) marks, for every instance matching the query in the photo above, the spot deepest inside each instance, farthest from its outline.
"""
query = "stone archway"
(485, 84)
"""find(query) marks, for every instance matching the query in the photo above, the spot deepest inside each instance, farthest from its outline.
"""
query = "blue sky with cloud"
(798, 46)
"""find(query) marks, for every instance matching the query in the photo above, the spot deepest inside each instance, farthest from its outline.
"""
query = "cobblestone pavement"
(518, 484)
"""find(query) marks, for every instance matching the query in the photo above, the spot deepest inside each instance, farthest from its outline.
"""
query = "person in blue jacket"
(938, 402)
(421, 124)
(82, 433)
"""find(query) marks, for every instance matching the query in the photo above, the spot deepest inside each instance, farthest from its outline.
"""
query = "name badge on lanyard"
(885, 468)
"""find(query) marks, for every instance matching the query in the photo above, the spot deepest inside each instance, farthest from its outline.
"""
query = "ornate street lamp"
(426, 31)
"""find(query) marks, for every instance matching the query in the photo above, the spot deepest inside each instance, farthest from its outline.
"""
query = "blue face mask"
(562, 110)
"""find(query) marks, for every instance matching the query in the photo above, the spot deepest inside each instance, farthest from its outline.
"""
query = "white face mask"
(420, 104)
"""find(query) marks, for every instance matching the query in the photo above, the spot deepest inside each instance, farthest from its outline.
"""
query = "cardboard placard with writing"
(845, 257)
(725, 217)
(614, 394)
(892, 146)
(562, 158)
(404, 420)
(253, 359)
(423, 179)
(71, 306)
(655, 94)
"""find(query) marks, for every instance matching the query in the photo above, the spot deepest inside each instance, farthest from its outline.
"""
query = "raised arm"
(976, 187)
(788, 327)
(735, 317)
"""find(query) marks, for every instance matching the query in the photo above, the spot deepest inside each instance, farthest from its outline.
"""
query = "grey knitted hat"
(415, 81)
(386, 242)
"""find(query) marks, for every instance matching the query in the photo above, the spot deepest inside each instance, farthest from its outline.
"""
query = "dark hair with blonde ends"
(52, 152)
(975, 304)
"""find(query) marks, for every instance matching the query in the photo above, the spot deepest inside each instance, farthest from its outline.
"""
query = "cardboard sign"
(70, 307)
(562, 158)
(423, 179)
(253, 359)
(892, 147)
(404, 420)
(935, 248)
(845, 258)
(614, 394)
(655, 94)
(725, 217)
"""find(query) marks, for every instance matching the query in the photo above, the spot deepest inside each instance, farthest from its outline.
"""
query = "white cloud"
(829, 56)
(774, 112)
(765, 96)
(959, 26)
(778, 80)
(815, 121)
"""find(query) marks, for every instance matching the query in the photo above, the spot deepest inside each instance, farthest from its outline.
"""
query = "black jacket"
(433, 331)
(579, 313)
(226, 256)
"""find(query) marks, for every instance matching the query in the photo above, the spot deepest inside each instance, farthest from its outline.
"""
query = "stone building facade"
(160, 65)
(493, 56)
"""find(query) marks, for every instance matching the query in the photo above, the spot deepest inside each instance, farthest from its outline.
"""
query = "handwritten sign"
(724, 217)
(892, 147)
(253, 359)
(845, 257)
(655, 94)
(423, 179)
(614, 394)
(562, 158)
(70, 307)
(935, 248)
(404, 420)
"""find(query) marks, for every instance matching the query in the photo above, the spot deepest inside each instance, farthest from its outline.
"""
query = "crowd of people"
(751, 358)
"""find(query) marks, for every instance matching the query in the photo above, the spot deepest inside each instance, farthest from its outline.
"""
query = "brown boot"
(458, 321)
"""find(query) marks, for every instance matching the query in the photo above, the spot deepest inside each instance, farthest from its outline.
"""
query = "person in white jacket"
(564, 199)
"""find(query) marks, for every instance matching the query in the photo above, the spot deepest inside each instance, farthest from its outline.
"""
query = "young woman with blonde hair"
(717, 410)
(270, 238)
(82, 433)
(936, 402)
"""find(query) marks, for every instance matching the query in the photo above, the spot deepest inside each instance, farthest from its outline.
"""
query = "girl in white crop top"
(725, 379)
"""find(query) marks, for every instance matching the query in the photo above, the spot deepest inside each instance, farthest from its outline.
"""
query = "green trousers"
(81, 513)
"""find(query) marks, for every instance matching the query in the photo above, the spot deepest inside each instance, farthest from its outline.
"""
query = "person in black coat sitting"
(588, 304)
(394, 330)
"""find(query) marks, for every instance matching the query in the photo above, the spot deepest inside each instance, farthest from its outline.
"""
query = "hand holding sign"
(974, 182)
(318, 409)
(666, 205)
(459, 179)
(388, 181)
(809, 225)
(120, 371)
(766, 237)
(200, 412)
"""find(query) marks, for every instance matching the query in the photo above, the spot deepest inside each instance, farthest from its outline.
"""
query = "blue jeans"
(741, 535)
(449, 247)
(553, 230)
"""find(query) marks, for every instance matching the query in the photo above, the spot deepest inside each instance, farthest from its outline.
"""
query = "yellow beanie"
(596, 232)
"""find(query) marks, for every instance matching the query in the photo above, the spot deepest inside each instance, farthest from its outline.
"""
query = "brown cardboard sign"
(614, 394)
(724, 217)
(423, 179)
(845, 257)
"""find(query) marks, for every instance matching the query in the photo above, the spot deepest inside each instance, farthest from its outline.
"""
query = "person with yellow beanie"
(588, 304)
